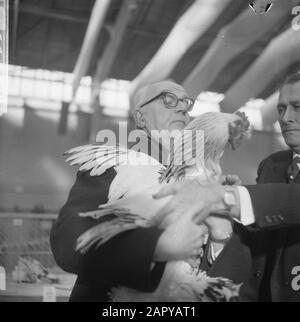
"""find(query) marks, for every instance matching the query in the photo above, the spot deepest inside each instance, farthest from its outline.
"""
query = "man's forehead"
(173, 88)
(167, 86)
(290, 92)
(146, 93)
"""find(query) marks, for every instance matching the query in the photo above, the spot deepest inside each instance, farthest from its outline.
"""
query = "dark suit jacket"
(124, 260)
(264, 255)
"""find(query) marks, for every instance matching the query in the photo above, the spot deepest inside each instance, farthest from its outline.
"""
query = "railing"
(25, 234)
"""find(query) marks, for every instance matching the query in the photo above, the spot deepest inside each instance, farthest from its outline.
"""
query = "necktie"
(293, 169)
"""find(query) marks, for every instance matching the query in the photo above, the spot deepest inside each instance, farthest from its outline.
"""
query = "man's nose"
(289, 114)
(181, 107)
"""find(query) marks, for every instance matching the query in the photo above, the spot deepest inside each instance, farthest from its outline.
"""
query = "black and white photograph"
(149, 152)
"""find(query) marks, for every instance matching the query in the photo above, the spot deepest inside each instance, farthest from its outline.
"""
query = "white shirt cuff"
(215, 254)
(246, 208)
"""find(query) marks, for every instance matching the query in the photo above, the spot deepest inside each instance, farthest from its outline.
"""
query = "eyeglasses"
(171, 100)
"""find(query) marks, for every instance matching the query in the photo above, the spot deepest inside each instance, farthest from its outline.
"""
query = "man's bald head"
(150, 111)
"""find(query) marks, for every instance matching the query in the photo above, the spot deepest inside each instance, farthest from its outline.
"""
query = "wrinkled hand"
(231, 180)
(220, 227)
(180, 240)
(190, 199)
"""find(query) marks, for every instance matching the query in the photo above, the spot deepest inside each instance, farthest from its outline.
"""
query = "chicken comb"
(238, 130)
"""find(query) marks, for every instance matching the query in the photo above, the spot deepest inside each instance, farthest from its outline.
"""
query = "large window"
(43, 89)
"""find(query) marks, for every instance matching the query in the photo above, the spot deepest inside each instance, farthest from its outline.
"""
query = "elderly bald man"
(126, 259)
(157, 107)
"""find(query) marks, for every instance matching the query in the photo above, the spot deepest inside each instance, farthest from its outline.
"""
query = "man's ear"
(139, 119)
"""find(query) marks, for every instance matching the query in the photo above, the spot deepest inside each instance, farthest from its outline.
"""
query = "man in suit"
(277, 253)
(126, 259)
(265, 252)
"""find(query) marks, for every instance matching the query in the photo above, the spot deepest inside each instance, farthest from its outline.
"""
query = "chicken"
(196, 153)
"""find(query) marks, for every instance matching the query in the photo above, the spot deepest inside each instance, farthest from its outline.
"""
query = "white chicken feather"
(139, 176)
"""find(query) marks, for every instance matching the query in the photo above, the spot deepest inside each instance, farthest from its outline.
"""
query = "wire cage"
(25, 235)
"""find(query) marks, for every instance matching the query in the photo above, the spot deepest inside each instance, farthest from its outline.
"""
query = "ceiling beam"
(15, 28)
(90, 39)
(232, 40)
(282, 52)
(53, 13)
(106, 61)
(190, 26)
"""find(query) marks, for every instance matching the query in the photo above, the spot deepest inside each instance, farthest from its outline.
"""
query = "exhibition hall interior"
(72, 69)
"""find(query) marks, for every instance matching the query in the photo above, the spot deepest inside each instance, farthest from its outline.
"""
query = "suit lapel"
(279, 174)
(297, 179)
(279, 170)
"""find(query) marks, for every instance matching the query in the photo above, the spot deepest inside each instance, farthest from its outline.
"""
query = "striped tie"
(293, 169)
